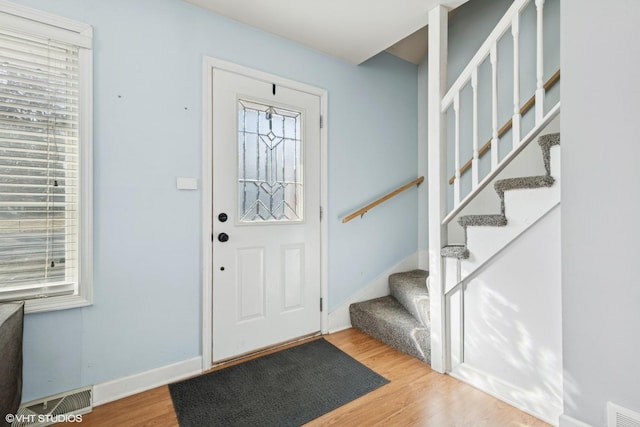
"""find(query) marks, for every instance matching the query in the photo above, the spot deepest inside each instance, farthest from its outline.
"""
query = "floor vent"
(63, 407)
(621, 417)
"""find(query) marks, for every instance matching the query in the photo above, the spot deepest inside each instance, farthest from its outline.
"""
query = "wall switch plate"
(185, 183)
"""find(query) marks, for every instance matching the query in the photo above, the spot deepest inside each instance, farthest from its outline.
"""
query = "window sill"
(64, 302)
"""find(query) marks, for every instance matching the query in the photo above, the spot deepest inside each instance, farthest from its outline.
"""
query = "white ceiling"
(353, 30)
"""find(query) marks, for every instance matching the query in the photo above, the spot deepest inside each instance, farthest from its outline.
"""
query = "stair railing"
(508, 125)
(510, 21)
(360, 212)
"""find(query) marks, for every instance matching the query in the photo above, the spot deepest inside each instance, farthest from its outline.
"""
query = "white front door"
(266, 214)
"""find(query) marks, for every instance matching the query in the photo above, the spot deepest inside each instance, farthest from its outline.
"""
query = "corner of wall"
(339, 318)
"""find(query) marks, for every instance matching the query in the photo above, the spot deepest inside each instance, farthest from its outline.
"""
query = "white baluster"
(515, 121)
(494, 106)
(540, 63)
(475, 173)
(456, 183)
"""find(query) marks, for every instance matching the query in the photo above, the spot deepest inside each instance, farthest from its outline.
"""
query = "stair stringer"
(523, 209)
(511, 314)
(501, 319)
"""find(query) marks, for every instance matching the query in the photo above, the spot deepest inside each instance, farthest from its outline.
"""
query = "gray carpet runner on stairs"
(401, 319)
(501, 186)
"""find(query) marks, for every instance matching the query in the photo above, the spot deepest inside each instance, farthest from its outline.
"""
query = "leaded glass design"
(269, 163)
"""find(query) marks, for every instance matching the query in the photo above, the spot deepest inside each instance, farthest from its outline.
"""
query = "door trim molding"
(209, 64)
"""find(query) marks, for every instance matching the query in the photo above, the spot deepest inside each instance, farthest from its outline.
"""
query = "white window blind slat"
(39, 158)
(34, 82)
(30, 97)
(31, 88)
(18, 111)
(54, 66)
(20, 44)
(31, 161)
(6, 141)
(38, 137)
(34, 244)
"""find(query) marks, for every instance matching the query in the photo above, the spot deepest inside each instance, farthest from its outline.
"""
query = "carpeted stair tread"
(483, 220)
(412, 276)
(520, 183)
(386, 320)
(410, 289)
(524, 182)
(549, 140)
(455, 251)
(546, 142)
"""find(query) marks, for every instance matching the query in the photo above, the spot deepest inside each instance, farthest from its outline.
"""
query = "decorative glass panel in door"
(269, 164)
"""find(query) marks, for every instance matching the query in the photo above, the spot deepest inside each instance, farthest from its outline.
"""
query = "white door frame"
(209, 64)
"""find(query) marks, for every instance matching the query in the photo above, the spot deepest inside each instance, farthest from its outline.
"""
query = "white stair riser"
(523, 209)
(555, 163)
(451, 273)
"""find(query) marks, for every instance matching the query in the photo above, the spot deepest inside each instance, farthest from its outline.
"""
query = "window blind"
(39, 166)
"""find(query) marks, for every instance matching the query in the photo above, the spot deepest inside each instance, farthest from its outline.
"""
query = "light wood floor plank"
(415, 396)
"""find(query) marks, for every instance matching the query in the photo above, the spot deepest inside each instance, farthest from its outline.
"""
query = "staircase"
(401, 319)
(502, 186)
(494, 303)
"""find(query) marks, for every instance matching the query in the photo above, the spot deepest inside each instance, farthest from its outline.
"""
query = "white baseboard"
(423, 259)
(136, 383)
(567, 421)
(339, 318)
(526, 401)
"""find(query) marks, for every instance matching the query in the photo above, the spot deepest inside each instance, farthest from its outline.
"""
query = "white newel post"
(437, 86)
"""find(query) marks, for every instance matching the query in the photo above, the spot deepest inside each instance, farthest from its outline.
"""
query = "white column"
(437, 182)
(423, 167)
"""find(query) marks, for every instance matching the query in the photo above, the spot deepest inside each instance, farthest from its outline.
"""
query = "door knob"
(223, 237)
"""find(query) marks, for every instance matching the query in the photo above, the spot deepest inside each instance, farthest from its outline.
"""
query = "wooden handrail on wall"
(382, 199)
(507, 126)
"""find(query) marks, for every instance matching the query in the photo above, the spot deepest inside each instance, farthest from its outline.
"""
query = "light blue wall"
(469, 26)
(147, 283)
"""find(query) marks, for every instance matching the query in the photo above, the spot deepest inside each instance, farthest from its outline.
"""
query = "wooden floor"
(415, 396)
